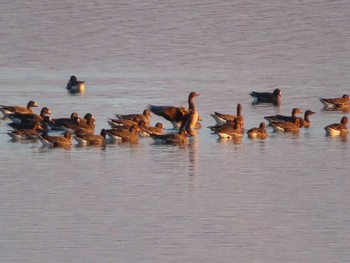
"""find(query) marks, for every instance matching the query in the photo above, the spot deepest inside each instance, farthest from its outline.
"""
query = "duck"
(337, 129)
(123, 135)
(221, 118)
(179, 138)
(6, 110)
(258, 132)
(281, 118)
(91, 139)
(29, 117)
(56, 141)
(274, 97)
(75, 86)
(230, 132)
(175, 114)
(147, 131)
(336, 103)
(136, 117)
(286, 126)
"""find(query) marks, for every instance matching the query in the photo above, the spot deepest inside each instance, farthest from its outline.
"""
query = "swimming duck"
(172, 138)
(274, 97)
(175, 114)
(337, 129)
(221, 118)
(92, 139)
(336, 103)
(6, 110)
(136, 117)
(75, 86)
(258, 132)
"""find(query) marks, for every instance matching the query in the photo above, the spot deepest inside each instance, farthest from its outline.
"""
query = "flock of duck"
(27, 125)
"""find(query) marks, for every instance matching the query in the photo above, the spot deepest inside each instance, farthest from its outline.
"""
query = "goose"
(136, 117)
(123, 135)
(75, 86)
(56, 141)
(221, 118)
(6, 110)
(175, 114)
(280, 118)
(172, 138)
(147, 131)
(286, 126)
(91, 139)
(336, 103)
(337, 129)
(26, 134)
(29, 117)
(274, 97)
(230, 132)
(258, 132)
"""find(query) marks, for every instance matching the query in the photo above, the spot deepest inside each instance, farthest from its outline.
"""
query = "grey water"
(284, 199)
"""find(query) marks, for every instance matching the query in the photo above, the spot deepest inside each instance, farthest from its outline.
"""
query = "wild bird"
(274, 97)
(230, 132)
(26, 134)
(179, 138)
(306, 122)
(337, 104)
(177, 114)
(337, 129)
(66, 123)
(123, 135)
(116, 123)
(258, 132)
(147, 131)
(6, 110)
(284, 118)
(136, 117)
(56, 141)
(86, 125)
(75, 86)
(19, 118)
(91, 139)
(221, 118)
(286, 126)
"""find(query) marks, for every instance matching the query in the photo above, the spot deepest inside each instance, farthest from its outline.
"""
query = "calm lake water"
(285, 199)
